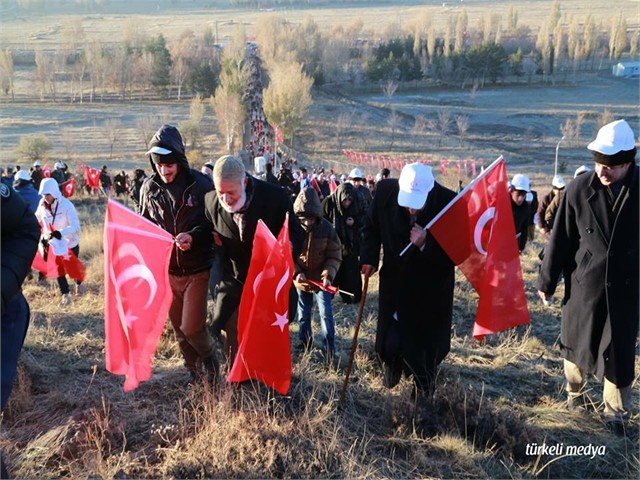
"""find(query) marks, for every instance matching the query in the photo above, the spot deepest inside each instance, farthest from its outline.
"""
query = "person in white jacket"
(60, 226)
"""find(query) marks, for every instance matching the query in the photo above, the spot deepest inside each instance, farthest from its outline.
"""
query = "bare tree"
(6, 73)
(394, 123)
(229, 113)
(96, 62)
(147, 126)
(635, 40)
(191, 128)
(68, 141)
(179, 54)
(112, 127)
(462, 125)
(462, 22)
(590, 37)
(443, 124)
(419, 127)
(389, 88)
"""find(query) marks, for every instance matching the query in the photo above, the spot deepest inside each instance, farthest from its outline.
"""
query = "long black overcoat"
(597, 252)
(416, 288)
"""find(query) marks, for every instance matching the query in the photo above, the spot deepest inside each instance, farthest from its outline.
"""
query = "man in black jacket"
(594, 245)
(173, 198)
(415, 303)
(234, 208)
(20, 234)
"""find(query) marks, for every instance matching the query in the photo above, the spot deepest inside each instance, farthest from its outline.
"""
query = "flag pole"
(354, 343)
(484, 173)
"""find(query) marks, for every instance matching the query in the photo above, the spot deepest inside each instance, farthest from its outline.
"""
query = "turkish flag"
(137, 292)
(46, 171)
(316, 187)
(478, 233)
(93, 177)
(333, 186)
(68, 188)
(264, 351)
(59, 265)
(278, 133)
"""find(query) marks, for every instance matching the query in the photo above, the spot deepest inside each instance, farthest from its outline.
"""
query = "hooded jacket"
(60, 216)
(337, 215)
(322, 251)
(185, 216)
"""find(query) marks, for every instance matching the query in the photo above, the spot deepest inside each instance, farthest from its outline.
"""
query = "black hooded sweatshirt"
(179, 211)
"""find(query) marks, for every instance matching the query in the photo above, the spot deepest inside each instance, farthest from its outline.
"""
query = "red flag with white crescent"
(93, 177)
(68, 188)
(478, 233)
(264, 351)
(46, 171)
(137, 292)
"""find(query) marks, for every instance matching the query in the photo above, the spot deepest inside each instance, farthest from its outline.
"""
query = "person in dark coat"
(37, 174)
(319, 261)
(594, 245)
(519, 187)
(234, 208)
(105, 181)
(24, 186)
(59, 174)
(341, 211)
(416, 290)
(173, 198)
(269, 177)
(20, 234)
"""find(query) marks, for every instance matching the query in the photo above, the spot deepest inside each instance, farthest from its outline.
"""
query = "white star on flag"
(281, 321)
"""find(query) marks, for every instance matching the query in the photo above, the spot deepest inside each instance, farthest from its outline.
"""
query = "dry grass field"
(69, 418)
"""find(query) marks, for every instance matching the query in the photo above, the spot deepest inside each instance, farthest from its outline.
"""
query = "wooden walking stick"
(354, 343)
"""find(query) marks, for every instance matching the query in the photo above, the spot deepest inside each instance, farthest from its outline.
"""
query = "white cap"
(59, 165)
(520, 182)
(158, 150)
(581, 169)
(22, 175)
(416, 181)
(614, 137)
(37, 163)
(558, 182)
(355, 173)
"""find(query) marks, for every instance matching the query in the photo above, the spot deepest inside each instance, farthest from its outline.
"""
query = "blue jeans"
(305, 308)
(15, 321)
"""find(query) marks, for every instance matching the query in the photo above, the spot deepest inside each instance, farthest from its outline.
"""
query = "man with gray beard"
(234, 208)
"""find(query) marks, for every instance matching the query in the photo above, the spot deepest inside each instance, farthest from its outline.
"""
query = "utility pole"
(555, 171)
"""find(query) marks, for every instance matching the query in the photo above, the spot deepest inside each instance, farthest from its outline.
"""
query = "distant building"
(626, 69)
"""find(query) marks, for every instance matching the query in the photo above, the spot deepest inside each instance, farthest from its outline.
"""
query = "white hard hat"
(520, 182)
(355, 174)
(558, 182)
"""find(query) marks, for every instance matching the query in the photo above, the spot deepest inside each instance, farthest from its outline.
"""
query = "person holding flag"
(415, 303)
(173, 198)
(594, 245)
(60, 225)
(234, 208)
(319, 260)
